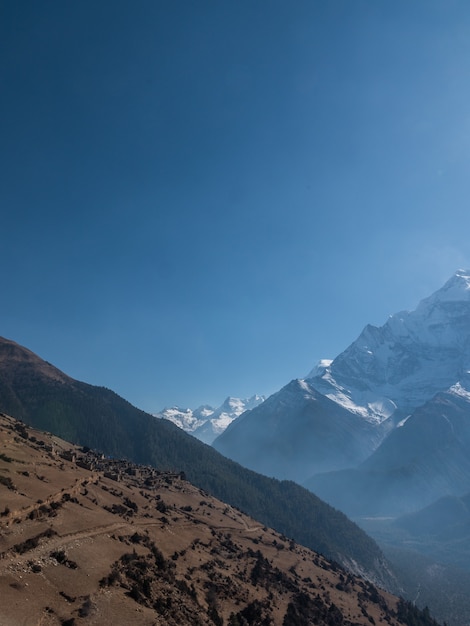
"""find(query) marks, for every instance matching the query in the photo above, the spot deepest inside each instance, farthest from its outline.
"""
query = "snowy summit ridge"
(403, 363)
(207, 422)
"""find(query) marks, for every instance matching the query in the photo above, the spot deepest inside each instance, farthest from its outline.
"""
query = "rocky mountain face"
(298, 432)
(398, 395)
(206, 422)
(394, 369)
(422, 460)
(90, 540)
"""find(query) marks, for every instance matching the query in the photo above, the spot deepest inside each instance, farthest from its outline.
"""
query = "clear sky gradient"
(202, 199)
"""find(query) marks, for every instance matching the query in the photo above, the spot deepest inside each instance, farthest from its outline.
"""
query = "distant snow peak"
(458, 286)
(206, 422)
(187, 419)
(456, 289)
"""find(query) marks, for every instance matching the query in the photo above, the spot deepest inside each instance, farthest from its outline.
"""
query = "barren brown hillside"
(89, 540)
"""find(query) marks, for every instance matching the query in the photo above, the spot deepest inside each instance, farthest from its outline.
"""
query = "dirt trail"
(238, 517)
(23, 513)
(46, 545)
(49, 544)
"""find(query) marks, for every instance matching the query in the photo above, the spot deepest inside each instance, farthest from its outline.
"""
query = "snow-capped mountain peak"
(407, 360)
(382, 429)
(206, 422)
(456, 289)
(187, 419)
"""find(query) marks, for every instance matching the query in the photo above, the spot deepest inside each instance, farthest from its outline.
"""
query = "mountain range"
(206, 422)
(44, 397)
(381, 433)
(383, 428)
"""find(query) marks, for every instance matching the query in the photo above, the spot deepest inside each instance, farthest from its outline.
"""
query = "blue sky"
(202, 199)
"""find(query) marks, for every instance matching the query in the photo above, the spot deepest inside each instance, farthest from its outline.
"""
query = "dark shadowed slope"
(426, 458)
(298, 432)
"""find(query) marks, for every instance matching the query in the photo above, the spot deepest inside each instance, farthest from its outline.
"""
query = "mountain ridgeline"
(42, 396)
(384, 428)
(298, 432)
(206, 422)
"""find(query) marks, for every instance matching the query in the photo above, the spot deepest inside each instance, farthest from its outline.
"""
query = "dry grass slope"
(87, 540)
